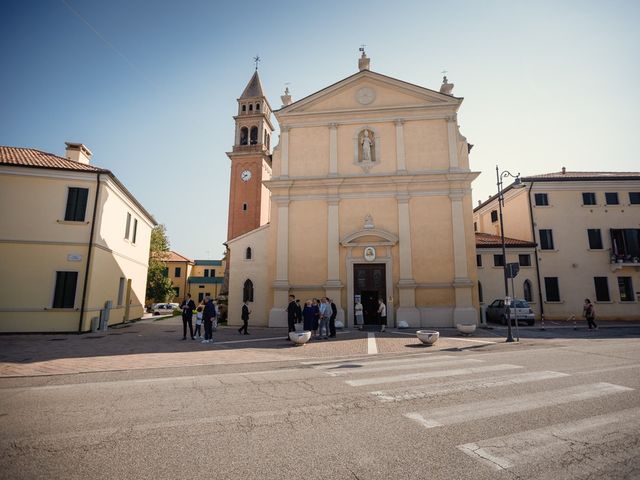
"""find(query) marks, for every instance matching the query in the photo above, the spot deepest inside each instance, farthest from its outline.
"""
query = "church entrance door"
(370, 284)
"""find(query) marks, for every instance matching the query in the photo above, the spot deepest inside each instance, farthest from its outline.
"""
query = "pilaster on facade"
(400, 157)
(284, 157)
(333, 149)
(452, 136)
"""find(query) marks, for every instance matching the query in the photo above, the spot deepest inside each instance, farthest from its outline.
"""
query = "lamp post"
(517, 183)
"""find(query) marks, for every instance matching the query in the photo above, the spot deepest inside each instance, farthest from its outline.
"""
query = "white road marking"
(470, 340)
(391, 361)
(450, 338)
(202, 379)
(492, 408)
(372, 348)
(405, 366)
(556, 440)
(424, 391)
(425, 375)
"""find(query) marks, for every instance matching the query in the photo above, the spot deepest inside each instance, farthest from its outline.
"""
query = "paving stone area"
(155, 343)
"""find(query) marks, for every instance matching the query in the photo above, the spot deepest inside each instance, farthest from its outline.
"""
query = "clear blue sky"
(151, 86)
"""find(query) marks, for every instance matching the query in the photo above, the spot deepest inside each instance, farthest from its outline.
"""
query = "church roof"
(370, 74)
(253, 88)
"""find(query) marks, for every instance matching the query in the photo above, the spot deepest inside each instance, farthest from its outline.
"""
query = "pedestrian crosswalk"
(422, 382)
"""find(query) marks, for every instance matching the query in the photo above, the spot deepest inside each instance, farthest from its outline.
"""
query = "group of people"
(317, 316)
(206, 313)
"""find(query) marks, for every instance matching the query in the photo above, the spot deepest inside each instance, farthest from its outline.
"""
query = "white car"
(164, 308)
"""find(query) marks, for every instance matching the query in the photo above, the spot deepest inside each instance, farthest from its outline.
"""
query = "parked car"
(497, 312)
(164, 308)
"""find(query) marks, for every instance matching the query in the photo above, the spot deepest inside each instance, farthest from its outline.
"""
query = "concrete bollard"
(573, 317)
(542, 322)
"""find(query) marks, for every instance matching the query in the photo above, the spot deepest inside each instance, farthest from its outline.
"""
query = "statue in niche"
(367, 143)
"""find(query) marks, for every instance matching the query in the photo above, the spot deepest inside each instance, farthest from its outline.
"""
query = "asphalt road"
(555, 410)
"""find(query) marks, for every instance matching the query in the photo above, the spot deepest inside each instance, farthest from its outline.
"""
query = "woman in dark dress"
(315, 305)
(307, 316)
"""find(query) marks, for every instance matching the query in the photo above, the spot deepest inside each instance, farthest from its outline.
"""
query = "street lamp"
(517, 183)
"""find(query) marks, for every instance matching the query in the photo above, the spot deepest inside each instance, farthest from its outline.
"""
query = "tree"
(159, 288)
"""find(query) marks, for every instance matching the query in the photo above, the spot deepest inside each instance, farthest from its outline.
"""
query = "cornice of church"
(285, 199)
(330, 119)
(411, 178)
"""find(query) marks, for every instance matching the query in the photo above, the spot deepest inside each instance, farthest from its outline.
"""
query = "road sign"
(512, 270)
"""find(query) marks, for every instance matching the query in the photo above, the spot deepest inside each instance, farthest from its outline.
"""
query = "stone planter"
(466, 329)
(428, 337)
(300, 338)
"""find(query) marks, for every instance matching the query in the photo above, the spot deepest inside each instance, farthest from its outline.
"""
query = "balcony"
(625, 251)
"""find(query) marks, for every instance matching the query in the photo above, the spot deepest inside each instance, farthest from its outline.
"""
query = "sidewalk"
(156, 343)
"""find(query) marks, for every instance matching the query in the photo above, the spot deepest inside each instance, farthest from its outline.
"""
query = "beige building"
(197, 277)
(370, 196)
(206, 278)
(490, 265)
(587, 229)
(178, 269)
(73, 241)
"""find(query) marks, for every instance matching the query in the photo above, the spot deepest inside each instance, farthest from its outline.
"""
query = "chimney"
(77, 152)
(564, 170)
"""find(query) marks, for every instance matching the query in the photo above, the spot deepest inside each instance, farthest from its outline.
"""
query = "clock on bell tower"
(250, 161)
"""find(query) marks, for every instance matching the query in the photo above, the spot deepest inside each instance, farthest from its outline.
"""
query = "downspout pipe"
(86, 271)
(533, 235)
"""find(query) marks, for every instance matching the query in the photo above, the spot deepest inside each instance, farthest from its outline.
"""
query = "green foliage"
(159, 288)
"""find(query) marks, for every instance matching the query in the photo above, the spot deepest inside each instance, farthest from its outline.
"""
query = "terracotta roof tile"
(29, 157)
(176, 257)
(486, 240)
(573, 176)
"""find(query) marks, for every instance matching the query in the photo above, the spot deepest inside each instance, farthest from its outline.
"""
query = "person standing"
(382, 313)
(332, 319)
(589, 312)
(292, 314)
(198, 332)
(308, 316)
(359, 313)
(245, 317)
(208, 313)
(187, 306)
(324, 318)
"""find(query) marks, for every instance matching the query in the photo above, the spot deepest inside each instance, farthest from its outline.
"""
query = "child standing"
(198, 321)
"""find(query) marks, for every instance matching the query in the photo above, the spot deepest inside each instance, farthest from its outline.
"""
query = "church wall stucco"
(431, 236)
(308, 242)
(308, 151)
(419, 133)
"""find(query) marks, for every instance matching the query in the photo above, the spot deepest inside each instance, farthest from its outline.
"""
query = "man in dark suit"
(292, 314)
(332, 319)
(245, 318)
(187, 306)
(208, 312)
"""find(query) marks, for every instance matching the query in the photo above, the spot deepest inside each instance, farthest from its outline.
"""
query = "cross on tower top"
(256, 60)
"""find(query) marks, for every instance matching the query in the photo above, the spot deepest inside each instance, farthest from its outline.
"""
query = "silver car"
(497, 312)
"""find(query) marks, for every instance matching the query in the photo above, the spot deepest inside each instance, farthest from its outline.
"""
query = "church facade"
(367, 196)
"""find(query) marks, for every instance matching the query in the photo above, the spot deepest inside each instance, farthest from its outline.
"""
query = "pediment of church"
(368, 90)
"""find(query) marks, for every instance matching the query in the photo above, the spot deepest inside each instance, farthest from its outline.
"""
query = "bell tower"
(250, 161)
